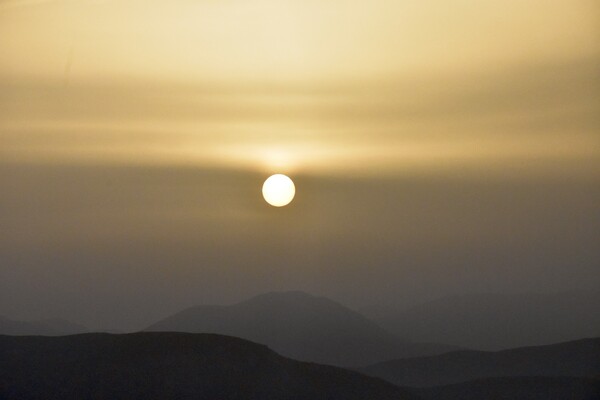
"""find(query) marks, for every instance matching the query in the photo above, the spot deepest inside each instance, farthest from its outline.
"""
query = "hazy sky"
(437, 147)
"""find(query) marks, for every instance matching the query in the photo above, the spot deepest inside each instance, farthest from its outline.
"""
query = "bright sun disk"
(278, 190)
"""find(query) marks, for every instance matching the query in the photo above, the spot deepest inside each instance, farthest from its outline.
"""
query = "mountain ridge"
(517, 388)
(46, 327)
(494, 321)
(148, 365)
(300, 326)
(580, 358)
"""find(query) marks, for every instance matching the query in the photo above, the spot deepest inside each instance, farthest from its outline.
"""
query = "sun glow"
(278, 190)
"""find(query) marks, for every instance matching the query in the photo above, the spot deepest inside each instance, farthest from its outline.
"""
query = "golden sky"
(437, 147)
(309, 86)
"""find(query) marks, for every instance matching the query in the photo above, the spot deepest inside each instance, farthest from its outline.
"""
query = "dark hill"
(523, 388)
(302, 327)
(170, 366)
(580, 358)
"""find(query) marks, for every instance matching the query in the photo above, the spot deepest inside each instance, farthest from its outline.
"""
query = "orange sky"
(302, 86)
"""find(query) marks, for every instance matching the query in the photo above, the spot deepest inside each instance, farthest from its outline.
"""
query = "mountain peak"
(298, 325)
(290, 297)
(288, 294)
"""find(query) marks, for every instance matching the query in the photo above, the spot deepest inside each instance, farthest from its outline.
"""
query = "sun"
(279, 190)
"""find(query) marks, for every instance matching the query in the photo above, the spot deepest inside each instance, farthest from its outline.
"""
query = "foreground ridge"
(153, 365)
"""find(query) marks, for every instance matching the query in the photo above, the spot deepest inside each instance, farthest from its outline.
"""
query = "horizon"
(367, 311)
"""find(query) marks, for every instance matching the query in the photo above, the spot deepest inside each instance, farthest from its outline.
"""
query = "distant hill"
(498, 321)
(580, 358)
(170, 366)
(302, 327)
(49, 327)
(522, 388)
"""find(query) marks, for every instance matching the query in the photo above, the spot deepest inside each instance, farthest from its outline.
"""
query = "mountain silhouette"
(300, 326)
(521, 388)
(499, 321)
(151, 365)
(579, 358)
(48, 327)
